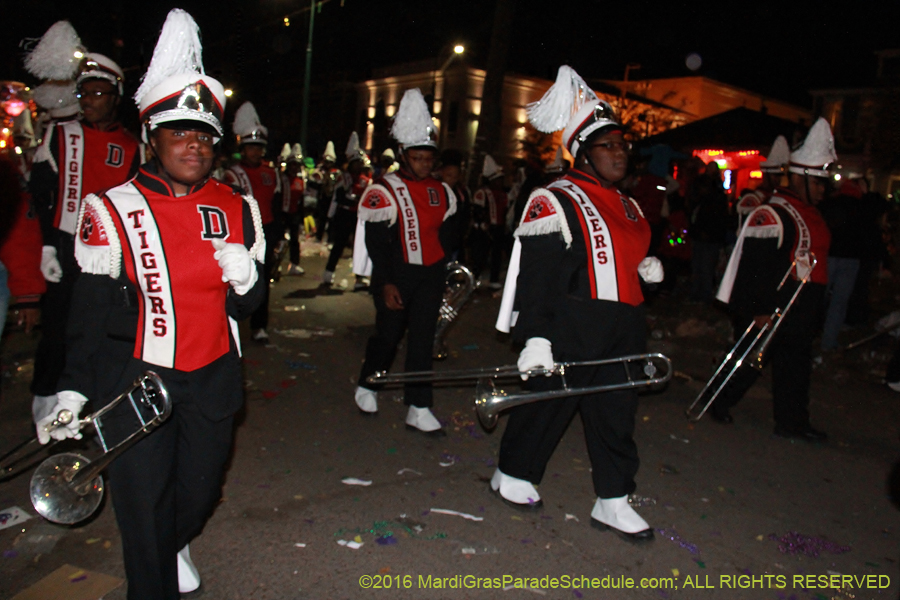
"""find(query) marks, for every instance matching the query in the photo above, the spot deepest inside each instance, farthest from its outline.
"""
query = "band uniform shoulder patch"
(377, 204)
(543, 214)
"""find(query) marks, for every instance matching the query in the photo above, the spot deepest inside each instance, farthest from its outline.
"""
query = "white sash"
(412, 239)
(602, 257)
(152, 273)
(72, 175)
(804, 238)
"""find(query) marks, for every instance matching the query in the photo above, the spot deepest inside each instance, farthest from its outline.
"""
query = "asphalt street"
(738, 512)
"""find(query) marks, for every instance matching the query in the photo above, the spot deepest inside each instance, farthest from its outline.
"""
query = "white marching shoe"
(366, 400)
(515, 492)
(617, 514)
(188, 577)
(422, 419)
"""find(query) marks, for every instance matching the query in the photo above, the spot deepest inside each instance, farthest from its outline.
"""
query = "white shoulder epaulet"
(543, 214)
(377, 205)
(97, 246)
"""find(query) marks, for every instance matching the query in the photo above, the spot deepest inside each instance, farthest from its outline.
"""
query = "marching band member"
(256, 178)
(787, 228)
(410, 232)
(293, 192)
(576, 283)
(77, 158)
(344, 203)
(170, 260)
(489, 205)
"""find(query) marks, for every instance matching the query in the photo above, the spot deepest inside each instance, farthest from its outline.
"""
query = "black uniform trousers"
(422, 290)
(343, 225)
(292, 224)
(488, 244)
(534, 430)
(50, 357)
(790, 354)
(274, 233)
(166, 486)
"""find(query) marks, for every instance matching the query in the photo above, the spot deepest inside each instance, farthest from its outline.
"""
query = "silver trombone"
(753, 352)
(490, 401)
(67, 488)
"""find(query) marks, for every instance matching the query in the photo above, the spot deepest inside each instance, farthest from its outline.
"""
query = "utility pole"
(304, 119)
(488, 133)
(624, 91)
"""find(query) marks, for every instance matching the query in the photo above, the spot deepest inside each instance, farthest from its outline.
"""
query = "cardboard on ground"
(71, 583)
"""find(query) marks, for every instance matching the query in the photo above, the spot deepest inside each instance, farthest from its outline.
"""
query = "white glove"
(237, 266)
(535, 355)
(66, 400)
(651, 270)
(50, 268)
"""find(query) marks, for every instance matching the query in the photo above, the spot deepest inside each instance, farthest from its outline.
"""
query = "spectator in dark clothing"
(842, 215)
(710, 221)
(872, 206)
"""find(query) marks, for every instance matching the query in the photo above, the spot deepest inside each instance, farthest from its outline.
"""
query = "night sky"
(779, 49)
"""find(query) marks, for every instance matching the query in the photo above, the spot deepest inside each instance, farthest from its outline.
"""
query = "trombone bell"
(56, 498)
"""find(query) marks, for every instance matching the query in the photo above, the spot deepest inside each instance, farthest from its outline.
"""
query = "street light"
(458, 50)
(229, 93)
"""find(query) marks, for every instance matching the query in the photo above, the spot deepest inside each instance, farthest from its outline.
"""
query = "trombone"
(490, 401)
(67, 488)
(751, 347)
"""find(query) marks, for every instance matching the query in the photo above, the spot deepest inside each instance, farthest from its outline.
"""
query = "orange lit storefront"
(739, 168)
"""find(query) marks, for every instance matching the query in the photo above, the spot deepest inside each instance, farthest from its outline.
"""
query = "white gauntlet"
(50, 267)
(236, 264)
(651, 270)
(535, 355)
(66, 400)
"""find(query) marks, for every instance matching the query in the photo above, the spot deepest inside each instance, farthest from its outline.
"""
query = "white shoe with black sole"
(617, 514)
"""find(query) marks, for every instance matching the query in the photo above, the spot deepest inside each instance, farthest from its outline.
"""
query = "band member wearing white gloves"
(581, 248)
(77, 157)
(410, 230)
(169, 261)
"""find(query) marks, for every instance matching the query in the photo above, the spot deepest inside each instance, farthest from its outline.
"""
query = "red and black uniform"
(488, 235)
(264, 184)
(347, 192)
(151, 296)
(74, 160)
(293, 190)
(772, 237)
(578, 287)
(410, 232)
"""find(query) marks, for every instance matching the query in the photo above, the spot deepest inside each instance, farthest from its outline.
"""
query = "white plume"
(54, 55)
(412, 123)
(246, 120)
(297, 151)
(55, 95)
(563, 99)
(352, 150)
(178, 51)
(329, 153)
(285, 151)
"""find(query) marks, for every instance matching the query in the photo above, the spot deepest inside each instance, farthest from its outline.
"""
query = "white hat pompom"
(816, 152)
(413, 126)
(58, 53)
(564, 98)
(178, 51)
(778, 156)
